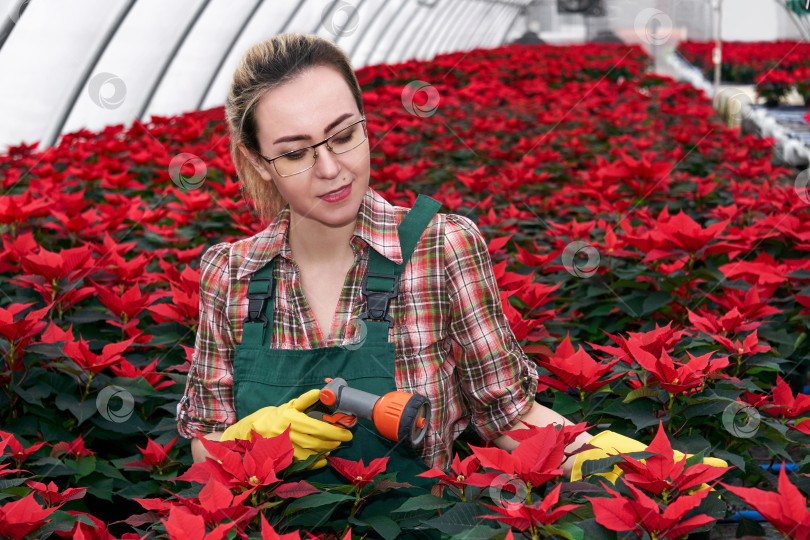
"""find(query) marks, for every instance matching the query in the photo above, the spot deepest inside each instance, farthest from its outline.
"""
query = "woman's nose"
(327, 164)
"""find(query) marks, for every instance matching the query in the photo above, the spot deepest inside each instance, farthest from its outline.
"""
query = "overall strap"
(381, 282)
(261, 289)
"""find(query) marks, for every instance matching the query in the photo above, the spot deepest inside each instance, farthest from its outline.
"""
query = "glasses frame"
(316, 145)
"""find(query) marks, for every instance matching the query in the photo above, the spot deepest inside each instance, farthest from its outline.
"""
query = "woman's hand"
(539, 415)
(308, 435)
(198, 451)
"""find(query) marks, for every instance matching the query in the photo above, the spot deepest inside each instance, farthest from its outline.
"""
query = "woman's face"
(302, 112)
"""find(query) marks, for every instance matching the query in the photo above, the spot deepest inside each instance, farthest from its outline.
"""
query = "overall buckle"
(378, 301)
(257, 302)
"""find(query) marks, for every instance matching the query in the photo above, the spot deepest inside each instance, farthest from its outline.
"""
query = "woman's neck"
(315, 243)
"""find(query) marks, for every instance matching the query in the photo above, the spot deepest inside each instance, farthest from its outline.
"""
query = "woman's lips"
(337, 195)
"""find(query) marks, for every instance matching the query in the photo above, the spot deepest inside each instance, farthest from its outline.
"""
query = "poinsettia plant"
(773, 85)
(744, 60)
(652, 262)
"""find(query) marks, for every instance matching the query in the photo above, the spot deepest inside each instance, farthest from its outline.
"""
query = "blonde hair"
(267, 65)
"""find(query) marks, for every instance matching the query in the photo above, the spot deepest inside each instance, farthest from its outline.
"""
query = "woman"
(300, 147)
(290, 92)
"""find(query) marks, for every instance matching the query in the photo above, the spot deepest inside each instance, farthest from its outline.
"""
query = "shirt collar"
(377, 222)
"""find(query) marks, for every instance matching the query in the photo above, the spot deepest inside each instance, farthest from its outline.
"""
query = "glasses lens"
(348, 138)
(295, 162)
(344, 140)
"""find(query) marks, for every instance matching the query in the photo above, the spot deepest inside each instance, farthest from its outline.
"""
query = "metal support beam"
(53, 133)
(227, 51)
(170, 57)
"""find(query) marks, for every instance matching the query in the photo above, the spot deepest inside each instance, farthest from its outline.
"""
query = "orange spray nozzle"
(398, 416)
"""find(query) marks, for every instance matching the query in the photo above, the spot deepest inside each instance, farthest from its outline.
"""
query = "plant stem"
(669, 410)
(356, 504)
(87, 386)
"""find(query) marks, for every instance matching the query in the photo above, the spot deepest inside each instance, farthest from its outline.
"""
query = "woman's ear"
(258, 164)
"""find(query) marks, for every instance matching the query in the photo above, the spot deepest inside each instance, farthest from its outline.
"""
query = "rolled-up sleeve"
(207, 404)
(497, 378)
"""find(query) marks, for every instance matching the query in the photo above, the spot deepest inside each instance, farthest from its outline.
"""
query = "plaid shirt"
(453, 342)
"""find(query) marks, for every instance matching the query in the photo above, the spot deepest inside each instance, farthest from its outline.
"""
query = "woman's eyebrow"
(328, 128)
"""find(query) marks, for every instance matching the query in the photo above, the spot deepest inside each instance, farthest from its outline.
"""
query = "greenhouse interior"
(447, 269)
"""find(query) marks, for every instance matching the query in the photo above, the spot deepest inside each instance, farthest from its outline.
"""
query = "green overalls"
(265, 376)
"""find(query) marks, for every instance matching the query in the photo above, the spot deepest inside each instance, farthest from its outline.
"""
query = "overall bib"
(265, 376)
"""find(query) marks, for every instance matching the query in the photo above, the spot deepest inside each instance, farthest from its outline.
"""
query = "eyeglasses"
(300, 160)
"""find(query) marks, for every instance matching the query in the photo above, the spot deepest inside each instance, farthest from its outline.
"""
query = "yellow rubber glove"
(308, 435)
(609, 443)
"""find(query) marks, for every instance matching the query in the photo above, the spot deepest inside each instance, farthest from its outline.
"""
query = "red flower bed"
(774, 66)
(651, 260)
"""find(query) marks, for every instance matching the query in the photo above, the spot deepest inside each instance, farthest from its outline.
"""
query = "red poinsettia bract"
(537, 459)
(577, 370)
(642, 514)
(243, 464)
(526, 516)
(50, 494)
(674, 377)
(787, 510)
(23, 516)
(781, 403)
(185, 525)
(655, 342)
(155, 456)
(662, 474)
(464, 473)
(358, 474)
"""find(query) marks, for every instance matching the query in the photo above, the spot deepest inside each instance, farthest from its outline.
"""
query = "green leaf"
(423, 502)
(566, 530)
(461, 517)
(301, 465)
(594, 531)
(482, 532)
(48, 350)
(6, 483)
(781, 337)
(639, 412)
(386, 485)
(139, 490)
(603, 465)
(632, 304)
(385, 526)
(604, 308)
(777, 448)
(34, 394)
(655, 301)
(706, 408)
(63, 522)
(83, 466)
(644, 391)
(110, 470)
(132, 425)
(88, 315)
(16, 492)
(51, 466)
(319, 499)
(731, 458)
(68, 366)
(565, 404)
(82, 410)
(749, 528)
(694, 459)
